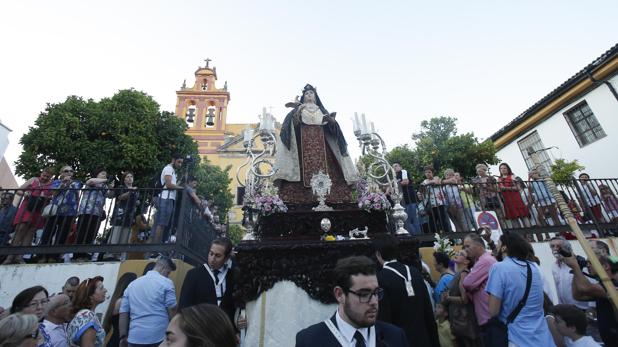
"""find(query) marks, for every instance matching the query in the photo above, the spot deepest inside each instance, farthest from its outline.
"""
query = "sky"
(399, 62)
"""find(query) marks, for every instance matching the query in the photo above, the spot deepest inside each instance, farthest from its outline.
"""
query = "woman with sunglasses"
(33, 301)
(19, 330)
(63, 211)
(85, 329)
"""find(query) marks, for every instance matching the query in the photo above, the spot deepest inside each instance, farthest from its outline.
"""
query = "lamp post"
(568, 215)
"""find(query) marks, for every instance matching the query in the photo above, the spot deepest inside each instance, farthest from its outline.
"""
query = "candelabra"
(380, 170)
(259, 167)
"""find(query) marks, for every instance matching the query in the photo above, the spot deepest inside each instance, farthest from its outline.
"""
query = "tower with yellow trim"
(204, 107)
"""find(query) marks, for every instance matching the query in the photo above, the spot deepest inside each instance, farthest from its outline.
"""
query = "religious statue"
(311, 140)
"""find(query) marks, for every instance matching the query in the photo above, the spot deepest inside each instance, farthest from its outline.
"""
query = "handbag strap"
(523, 300)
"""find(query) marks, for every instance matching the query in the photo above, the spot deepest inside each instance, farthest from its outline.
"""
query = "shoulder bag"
(496, 332)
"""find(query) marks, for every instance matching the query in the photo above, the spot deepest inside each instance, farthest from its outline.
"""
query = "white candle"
(356, 122)
(248, 135)
(373, 129)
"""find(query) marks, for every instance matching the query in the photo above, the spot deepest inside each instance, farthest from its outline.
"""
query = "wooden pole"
(568, 215)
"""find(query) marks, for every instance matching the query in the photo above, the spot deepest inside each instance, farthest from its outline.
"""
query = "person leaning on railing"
(127, 200)
(28, 217)
(435, 202)
(453, 198)
(487, 189)
(92, 208)
(62, 211)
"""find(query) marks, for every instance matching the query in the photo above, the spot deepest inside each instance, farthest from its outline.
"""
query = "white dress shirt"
(57, 333)
(563, 278)
(348, 331)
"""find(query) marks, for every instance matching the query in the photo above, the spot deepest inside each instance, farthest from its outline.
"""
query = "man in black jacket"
(213, 282)
(354, 323)
(406, 302)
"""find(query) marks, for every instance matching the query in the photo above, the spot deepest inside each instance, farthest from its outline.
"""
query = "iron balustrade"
(82, 221)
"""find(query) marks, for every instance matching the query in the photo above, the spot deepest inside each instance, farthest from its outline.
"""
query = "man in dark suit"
(354, 324)
(406, 302)
(213, 282)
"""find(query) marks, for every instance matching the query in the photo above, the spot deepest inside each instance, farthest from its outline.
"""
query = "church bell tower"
(204, 108)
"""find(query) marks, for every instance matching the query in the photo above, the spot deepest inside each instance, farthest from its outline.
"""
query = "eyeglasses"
(68, 171)
(34, 303)
(365, 297)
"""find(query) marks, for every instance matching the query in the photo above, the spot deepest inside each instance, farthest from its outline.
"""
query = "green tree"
(562, 171)
(213, 183)
(124, 132)
(438, 144)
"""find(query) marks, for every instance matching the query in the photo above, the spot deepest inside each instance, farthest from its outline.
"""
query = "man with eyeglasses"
(57, 315)
(355, 323)
(406, 302)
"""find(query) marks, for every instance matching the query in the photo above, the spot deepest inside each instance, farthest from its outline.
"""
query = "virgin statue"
(311, 141)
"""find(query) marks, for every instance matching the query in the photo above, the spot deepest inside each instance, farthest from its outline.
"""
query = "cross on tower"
(207, 60)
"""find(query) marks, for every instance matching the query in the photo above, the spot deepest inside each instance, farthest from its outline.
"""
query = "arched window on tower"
(204, 85)
(210, 116)
(191, 114)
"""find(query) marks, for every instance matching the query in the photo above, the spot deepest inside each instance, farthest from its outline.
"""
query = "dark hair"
(50, 170)
(165, 262)
(223, 241)
(73, 281)
(22, 300)
(610, 262)
(430, 168)
(572, 316)
(581, 174)
(517, 246)
(508, 168)
(149, 267)
(206, 325)
(124, 175)
(476, 238)
(347, 267)
(442, 258)
(122, 284)
(176, 156)
(81, 298)
(97, 171)
(191, 179)
(601, 244)
(387, 245)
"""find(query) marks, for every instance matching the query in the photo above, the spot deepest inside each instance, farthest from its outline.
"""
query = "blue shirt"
(66, 199)
(442, 286)
(146, 300)
(507, 281)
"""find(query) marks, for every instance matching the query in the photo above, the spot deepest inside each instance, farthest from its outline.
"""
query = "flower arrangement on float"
(443, 245)
(370, 197)
(267, 201)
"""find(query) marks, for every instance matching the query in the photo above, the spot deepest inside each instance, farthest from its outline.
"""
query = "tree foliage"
(125, 132)
(438, 144)
(213, 184)
(562, 171)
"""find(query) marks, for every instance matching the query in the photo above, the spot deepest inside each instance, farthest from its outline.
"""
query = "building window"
(533, 141)
(584, 124)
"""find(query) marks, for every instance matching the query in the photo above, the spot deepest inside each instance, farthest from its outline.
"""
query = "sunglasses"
(68, 171)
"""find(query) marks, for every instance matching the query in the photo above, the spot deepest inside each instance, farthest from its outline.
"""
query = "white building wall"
(15, 278)
(597, 157)
(4, 139)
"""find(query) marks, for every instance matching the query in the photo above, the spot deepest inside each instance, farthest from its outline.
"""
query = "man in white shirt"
(563, 278)
(57, 315)
(571, 324)
(167, 198)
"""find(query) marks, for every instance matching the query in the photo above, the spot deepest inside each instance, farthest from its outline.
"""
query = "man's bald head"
(58, 309)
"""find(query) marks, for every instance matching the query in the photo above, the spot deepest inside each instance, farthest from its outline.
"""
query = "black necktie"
(360, 341)
(216, 273)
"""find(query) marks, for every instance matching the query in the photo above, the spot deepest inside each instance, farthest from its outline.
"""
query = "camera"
(563, 252)
(189, 160)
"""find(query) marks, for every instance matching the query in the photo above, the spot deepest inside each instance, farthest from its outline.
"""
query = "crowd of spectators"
(446, 204)
(65, 211)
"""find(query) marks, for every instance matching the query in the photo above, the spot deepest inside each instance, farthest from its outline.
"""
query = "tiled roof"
(565, 86)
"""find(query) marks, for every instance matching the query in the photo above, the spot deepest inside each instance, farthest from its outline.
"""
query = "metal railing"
(99, 223)
(524, 206)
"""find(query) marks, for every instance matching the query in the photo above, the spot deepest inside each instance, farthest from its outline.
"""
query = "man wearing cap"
(147, 306)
